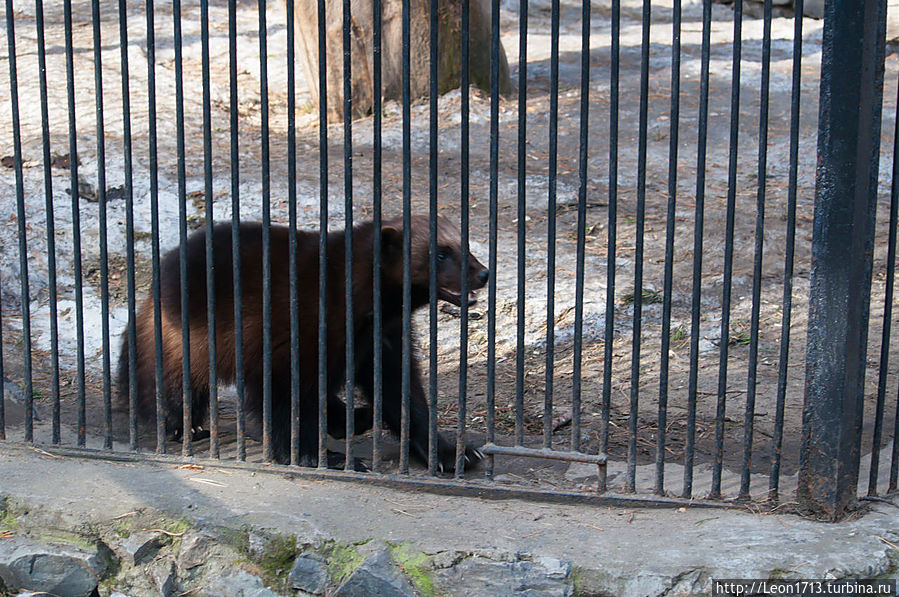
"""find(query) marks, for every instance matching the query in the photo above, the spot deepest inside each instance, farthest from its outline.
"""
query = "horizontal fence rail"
(579, 250)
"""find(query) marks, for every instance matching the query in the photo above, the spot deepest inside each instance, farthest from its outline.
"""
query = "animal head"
(449, 258)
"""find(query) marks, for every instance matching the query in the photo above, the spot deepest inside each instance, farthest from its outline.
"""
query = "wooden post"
(449, 36)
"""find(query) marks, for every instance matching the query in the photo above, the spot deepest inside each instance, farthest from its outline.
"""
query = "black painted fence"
(77, 392)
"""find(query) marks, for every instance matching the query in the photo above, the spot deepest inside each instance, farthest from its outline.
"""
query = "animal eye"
(442, 255)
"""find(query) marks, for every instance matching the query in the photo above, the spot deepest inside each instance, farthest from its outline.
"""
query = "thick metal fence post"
(848, 153)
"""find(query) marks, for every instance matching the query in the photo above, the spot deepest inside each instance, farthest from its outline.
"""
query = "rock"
(65, 571)
(118, 594)
(310, 574)
(688, 583)
(496, 554)
(694, 582)
(194, 550)
(256, 545)
(237, 583)
(139, 547)
(478, 576)
(163, 575)
(377, 575)
(555, 568)
(446, 559)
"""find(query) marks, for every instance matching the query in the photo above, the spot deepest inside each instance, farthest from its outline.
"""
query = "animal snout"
(483, 276)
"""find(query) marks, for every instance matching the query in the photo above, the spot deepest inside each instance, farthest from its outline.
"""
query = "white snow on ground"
(307, 184)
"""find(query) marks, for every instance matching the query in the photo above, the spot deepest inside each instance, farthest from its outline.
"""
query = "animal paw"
(446, 461)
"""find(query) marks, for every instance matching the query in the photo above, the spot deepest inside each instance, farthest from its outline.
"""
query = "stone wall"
(149, 554)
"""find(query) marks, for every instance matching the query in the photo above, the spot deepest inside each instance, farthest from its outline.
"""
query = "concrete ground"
(612, 550)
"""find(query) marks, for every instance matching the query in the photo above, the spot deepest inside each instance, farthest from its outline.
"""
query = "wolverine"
(449, 261)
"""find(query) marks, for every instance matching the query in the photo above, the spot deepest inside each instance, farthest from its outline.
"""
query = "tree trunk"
(449, 51)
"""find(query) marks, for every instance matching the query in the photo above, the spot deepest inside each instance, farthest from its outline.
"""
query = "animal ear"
(391, 239)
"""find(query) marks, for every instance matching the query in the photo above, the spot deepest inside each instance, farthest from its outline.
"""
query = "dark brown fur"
(449, 285)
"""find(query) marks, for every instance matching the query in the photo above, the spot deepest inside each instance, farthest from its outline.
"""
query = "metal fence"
(622, 198)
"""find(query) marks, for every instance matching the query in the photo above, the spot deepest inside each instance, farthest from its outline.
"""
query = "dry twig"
(39, 451)
(561, 421)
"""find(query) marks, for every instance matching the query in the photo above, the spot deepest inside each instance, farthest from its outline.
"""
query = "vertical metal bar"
(638, 253)
(777, 440)
(101, 198)
(154, 223)
(581, 228)
(20, 219)
(240, 380)
(348, 234)
(724, 345)
(609, 328)
(292, 238)
(464, 207)
(266, 244)
(214, 451)
(406, 381)
(748, 421)
(186, 389)
(51, 228)
(377, 306)
(894, 204)
(492, 257)
(697, 248)
(2, 380)
(323, 239)
(432, 248)
(129, 223)
(887, 323)
(522, 215)
(673, 139)
(845, 202)
(551, 225)
(154, 217)
(76, 223)
(894, 465)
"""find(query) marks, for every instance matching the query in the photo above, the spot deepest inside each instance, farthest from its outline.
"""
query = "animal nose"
(483, 276)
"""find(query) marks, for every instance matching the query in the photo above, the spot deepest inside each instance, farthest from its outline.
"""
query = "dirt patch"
(117, 276)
